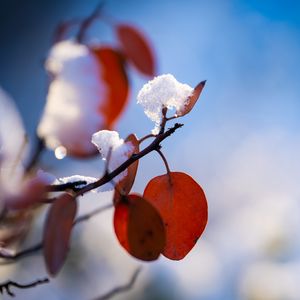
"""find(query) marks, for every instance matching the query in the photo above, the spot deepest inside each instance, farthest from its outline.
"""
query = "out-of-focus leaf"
(183, 207)
(115, 77)
(57, 232)
(137, 49)
(33, 192)
(139, 228)
(125, 185)
(192, 99)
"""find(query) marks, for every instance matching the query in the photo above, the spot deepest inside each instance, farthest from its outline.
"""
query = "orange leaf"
(137, 49)
(57, 232)
(192, 99)
(139, 227)
(183, 207)
(125, 185)
(114, 75)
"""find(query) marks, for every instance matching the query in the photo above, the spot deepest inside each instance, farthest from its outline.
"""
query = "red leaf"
(139, 228)
(137, 49)
(125, 185)
(114, 75)
(57, 232)
(183, 208)
(192, 99)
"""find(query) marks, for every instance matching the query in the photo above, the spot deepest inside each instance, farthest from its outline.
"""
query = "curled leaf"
(137, 49)
(57, 232)
(115, 77)
(182, 205)
(139, 227)
(192, 99)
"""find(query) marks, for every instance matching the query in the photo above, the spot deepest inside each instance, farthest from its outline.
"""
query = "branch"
(12, 258)
(121, 289)
(6, 286)
(108, 177)
(66, 186)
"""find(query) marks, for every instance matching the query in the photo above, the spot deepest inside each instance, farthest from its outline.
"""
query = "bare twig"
(86, 217)
(123, 288)
(86, 23)
(146, 137)
(6, 286)
(40, 146)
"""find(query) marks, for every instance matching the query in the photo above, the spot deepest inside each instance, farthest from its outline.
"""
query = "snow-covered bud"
(163, 91)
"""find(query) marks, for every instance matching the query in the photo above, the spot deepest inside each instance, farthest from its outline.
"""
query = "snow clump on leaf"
(72, 112)
(163, 91)
(113, 149)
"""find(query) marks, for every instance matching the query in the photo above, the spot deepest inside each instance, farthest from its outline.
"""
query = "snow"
(163, 91)
(72, 111)
(109, 141)
(76, 178)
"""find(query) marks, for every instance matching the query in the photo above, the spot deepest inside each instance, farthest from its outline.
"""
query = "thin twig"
(123, 288)
(40, 146)
(99, 210)
(164, 120)
(6, 286)
(146, 137)
(12, 258)
(86, 23)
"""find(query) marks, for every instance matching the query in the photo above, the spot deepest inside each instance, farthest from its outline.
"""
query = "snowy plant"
(87, 94)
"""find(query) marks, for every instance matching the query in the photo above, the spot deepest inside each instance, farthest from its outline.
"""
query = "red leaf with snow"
(139, 227)
(125, 185)
(192, 99)
(137, 49)
(183, 207)
(57, 232)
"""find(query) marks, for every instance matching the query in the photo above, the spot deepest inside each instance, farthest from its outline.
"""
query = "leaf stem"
(164, 160)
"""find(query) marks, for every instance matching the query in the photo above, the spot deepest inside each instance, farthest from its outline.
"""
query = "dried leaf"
(182, 204)
(115, 77)
(192, 99)
(137, 49)
(139, 228)
(57, 232)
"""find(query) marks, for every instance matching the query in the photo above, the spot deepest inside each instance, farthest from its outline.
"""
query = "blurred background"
(240, 143)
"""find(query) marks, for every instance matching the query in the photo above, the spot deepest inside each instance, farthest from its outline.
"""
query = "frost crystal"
(109, 142)
(163, 90)
(71, 114)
